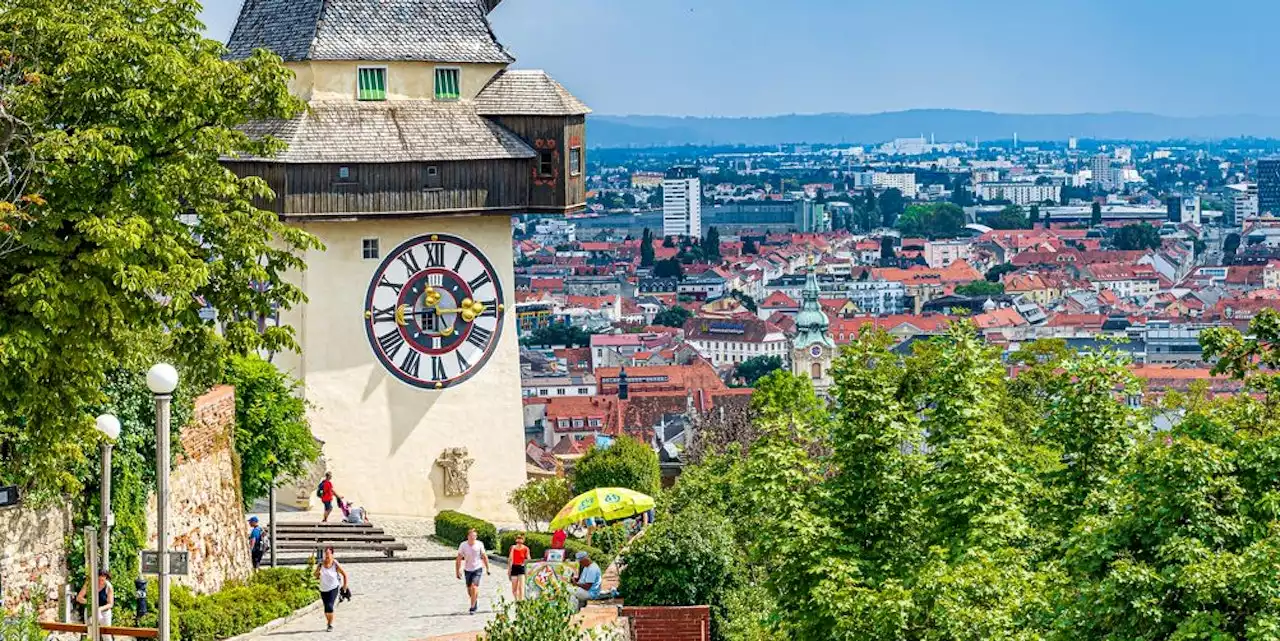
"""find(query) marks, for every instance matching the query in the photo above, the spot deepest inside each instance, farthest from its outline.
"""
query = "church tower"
(812, 348)
(417, 147)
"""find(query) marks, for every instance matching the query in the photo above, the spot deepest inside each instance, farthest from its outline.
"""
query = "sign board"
(151, 563)
(9, 496)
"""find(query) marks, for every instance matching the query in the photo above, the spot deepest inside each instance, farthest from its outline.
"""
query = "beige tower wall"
(381, 436)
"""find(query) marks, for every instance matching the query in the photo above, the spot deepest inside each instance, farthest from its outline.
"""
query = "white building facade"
(682, 204)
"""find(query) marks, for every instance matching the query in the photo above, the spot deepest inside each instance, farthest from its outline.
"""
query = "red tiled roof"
(779, 299)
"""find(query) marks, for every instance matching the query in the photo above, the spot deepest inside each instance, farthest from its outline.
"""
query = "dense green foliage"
(273, 438)
(451, 527)
(611, 538)
(1011, 217)
(994, 274)
(646, 248)
(626, 463)
(126, 225)
(672, 317)
(1136, 236)
(687, 559)
(548, 618)
(668, 268)
(557, 334)
(238, 608)
(539, 500)
(938, 220)
(21, 627)
(539, 542)
(938, 498)
(755, 368)
(1095, 214)
(980, 288)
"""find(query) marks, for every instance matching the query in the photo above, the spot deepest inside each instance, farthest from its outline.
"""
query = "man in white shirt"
(473, 558)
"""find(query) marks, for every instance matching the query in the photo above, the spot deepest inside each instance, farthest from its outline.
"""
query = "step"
(326, 526)
(332, 536)
(306, 546)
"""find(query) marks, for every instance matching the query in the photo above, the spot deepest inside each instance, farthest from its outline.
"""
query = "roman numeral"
(437, 369)
(490, 309)
(462, 256)
(462, 362)
(410, 262)
(435, 254)
(391, 342)
(380, 315)
(479, 336)
(478, 281)
(412, 363)
(387, 283)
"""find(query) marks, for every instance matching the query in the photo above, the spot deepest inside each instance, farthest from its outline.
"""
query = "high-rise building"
(1244, 203)
(1269, 186)
(1101, 168)
(682, 203)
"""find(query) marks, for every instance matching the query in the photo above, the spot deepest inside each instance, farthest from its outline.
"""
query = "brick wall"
(206, 517)
(33, 559)
(692, 623)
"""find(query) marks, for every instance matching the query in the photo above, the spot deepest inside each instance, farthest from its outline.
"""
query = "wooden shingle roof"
(392, 131)
(527, 92)
(369, 30)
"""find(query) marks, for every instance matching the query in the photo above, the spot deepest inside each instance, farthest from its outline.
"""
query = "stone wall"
(33, 560)
(206, 515)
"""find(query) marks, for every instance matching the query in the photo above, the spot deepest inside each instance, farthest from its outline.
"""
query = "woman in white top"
(332, 580)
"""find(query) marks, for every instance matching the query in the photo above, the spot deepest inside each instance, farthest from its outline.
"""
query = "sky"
(769, 57)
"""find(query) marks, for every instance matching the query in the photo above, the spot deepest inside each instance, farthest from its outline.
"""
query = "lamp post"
(162, 379)
(109, 426)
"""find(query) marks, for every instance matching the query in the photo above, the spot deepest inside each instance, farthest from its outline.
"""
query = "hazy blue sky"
(764, 57)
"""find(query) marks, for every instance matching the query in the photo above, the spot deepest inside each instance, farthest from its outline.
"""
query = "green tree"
(668, 268)
(745, 299)
(685, 559)
(886, 248)
(1033, 217)
(127, 224)
(980, 288)
(711, 245)
(1011, 217)
(646, 248)
(1231, 244)
(749, 247)
(668, 242)
(626, 463)
(757, 367)
(891, 205)
(1095, 214)
(995, 273)
(1136, 236)
(557, 334)
(539, 500)
(273, 437)
(934, 221)
(672, 317)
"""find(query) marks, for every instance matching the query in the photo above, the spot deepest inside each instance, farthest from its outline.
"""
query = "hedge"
(238, 608)
(539, 543)
(451, 527)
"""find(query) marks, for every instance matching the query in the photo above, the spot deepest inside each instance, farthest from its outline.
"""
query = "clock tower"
(417, 147)
(812, 349)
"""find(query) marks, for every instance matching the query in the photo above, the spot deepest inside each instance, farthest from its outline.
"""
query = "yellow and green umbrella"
(609, 503)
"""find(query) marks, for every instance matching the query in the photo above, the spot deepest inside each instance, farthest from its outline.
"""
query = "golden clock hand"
(400, 316)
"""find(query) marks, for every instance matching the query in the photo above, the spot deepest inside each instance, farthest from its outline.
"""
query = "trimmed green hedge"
(451, 527)
(539, 543)
(238, 608)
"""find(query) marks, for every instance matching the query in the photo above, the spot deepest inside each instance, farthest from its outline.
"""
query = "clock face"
(434, 311)
(815, 351)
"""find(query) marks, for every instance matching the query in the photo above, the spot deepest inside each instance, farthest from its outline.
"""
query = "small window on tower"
(371, 83)
(434, 181)
(448, 83)
(344, 174)
(546, 163)
(369, 249)
(575, 161)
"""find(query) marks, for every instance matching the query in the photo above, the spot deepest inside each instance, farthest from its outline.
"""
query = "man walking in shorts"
(475, 561)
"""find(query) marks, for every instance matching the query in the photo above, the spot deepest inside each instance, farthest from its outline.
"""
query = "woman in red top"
(557, 539)
(516, 561)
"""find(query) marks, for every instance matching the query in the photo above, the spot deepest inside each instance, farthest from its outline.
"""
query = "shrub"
(539, 500)
(539, 543)
(688, 559)
(626, 463)
(22, 627)
(236, 609)
(451, 527)
(611, 539)
(549, 618)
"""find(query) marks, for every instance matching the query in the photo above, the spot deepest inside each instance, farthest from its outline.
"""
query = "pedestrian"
(558, 539)
(587, 586)
(257, 541)
(519, 556)
(326, 494)
(106, 598)
(354, 515)
(333, 579)
(473, 558)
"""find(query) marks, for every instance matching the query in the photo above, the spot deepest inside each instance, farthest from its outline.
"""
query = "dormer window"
(448, 83)
(371, 83)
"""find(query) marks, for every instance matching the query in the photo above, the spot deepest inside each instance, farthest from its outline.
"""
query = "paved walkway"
(400, 602)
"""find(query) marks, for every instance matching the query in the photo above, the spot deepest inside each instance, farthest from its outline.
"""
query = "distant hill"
(944, 124)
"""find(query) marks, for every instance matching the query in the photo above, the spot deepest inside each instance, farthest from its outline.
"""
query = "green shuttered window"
(371, 83)
(448, 83)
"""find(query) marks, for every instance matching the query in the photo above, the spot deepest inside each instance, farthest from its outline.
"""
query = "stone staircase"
(296, 543)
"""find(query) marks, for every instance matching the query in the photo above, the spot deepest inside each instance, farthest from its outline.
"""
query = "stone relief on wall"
(455, 462)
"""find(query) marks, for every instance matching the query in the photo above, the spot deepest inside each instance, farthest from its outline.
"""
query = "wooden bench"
(110, 630)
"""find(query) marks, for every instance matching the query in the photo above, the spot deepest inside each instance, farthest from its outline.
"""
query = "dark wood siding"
(274, 175)
(553, 135)
(325, 189)
(576, 136)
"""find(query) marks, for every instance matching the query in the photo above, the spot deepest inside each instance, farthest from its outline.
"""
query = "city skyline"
(741, 58)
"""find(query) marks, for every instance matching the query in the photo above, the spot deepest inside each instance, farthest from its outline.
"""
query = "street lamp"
(109, 426)
(162, 379)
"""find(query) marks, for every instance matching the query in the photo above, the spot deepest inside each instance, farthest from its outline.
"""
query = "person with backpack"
(326, 494)
(258, 543)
